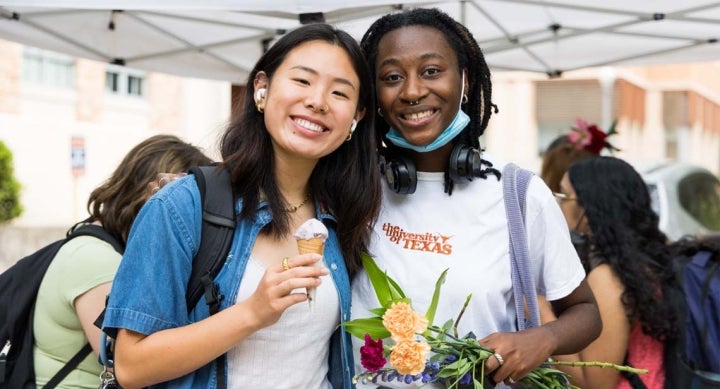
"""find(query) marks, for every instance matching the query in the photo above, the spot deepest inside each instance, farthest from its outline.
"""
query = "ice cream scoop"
(311, 237)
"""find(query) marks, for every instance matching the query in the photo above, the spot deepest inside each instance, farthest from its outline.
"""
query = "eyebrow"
(394, 61)
(315, 72)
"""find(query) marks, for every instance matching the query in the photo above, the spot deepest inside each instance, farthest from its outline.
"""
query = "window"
(48, 68)
(560, 102)
(124, 82)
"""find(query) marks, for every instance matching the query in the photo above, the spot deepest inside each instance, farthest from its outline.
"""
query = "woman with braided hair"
(443, 200)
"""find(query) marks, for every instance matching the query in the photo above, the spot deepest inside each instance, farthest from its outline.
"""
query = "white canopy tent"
(221, 39)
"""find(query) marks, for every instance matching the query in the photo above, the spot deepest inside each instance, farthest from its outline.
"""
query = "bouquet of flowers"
(418, 350)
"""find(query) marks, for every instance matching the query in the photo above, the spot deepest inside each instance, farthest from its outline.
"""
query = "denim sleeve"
(148, 293)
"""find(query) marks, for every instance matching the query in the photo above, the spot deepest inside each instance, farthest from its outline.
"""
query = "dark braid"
(479, 106)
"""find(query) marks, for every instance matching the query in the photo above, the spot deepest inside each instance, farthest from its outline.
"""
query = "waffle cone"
(314, 245)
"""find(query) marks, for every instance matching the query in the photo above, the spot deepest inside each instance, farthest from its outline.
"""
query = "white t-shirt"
(420, 235)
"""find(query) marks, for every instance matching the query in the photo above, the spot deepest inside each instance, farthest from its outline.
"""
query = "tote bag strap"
(515, 184)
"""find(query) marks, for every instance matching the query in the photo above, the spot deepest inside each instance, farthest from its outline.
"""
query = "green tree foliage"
(9, 187)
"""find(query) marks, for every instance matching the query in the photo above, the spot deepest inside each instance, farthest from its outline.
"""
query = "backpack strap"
(69, 366)
(100, 233)
(96, 231)
(216, 236)
(515, 184)
(218, 227)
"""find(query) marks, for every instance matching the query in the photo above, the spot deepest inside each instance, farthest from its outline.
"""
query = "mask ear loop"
(463, 98)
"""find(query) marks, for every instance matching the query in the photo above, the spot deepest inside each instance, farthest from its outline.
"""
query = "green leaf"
(396, 291)
(378, 311)
(430, 314)
(378, 279)
(372, 326)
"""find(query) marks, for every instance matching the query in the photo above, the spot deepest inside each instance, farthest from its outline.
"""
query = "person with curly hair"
(607, 204)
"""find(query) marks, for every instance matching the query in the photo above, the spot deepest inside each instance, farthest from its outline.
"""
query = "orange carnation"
(408, 356)
(403, 323)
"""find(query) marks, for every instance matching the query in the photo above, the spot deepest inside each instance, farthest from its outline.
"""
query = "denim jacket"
(148, 293)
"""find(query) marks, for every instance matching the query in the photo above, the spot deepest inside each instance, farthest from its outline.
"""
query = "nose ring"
(323, 108)
(414, 102)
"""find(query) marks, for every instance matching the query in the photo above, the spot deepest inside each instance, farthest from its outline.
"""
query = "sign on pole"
(77, 155)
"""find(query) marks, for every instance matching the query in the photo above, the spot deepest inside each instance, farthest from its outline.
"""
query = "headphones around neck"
(401, 175)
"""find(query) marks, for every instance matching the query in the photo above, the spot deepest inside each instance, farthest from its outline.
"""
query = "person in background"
(606, 203)
(584, 140)
(73, 291)
(434, 90)
(301, 148)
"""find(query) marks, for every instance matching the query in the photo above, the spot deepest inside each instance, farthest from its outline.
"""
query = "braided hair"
(479, 104)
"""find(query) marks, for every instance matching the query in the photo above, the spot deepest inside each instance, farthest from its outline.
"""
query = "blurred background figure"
(608, 210)
(73, 291)
(584, 140)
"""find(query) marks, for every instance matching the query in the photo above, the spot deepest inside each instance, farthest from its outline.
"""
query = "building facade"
(69, 122)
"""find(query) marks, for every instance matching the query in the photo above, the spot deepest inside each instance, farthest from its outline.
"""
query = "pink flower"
(371, 354)
(587, 136)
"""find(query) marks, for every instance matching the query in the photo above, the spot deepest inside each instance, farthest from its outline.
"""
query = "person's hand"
(282, 287)
(161, 180)
(520, 352)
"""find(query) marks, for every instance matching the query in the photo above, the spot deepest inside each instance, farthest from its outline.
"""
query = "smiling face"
(310, 101)
(418, 82)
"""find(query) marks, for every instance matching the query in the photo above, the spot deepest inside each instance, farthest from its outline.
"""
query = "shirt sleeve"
(148, 294)
(558, 270)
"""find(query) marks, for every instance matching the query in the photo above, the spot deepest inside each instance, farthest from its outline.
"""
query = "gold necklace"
(294, 208)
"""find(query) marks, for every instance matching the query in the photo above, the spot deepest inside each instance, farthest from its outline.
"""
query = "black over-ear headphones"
(401, 175)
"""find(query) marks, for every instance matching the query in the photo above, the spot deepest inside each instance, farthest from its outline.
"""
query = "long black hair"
(346, 181)
(625, 235)
(479, 104)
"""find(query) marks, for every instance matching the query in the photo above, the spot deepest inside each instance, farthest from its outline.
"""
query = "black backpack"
(218, 225)
(18, 290)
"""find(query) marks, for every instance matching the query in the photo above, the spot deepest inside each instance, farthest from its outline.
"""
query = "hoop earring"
(465, 99)
(380, 113)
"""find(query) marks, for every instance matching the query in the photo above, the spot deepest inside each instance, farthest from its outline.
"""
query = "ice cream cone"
(310, 238)
(314, 245)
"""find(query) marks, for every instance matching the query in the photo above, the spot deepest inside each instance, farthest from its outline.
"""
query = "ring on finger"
(286, 263)
(499, 358)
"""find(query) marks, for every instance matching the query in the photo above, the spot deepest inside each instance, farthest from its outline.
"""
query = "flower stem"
(599, 364)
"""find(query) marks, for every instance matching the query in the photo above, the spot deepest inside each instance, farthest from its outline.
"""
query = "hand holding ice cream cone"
(311, 237)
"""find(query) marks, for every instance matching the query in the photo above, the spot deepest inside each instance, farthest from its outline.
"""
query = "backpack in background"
(693, 361)
(18, 290)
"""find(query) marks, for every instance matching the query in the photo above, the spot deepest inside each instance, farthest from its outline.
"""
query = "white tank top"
(292, 353)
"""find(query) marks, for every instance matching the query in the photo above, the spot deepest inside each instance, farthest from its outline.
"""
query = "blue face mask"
(460, 121)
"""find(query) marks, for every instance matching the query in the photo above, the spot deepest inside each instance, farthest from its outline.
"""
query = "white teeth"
(418, 115)
(308, 125)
